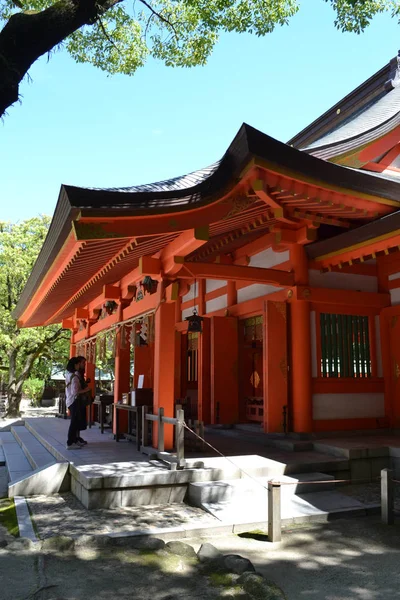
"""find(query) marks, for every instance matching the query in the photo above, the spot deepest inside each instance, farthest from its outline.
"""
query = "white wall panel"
(256, 290)
(214, 284)
(348, 406)
(268, 258)
(192, 293)
(395, 296)
(217, 303)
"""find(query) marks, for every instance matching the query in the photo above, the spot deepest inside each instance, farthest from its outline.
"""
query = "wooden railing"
(175, 459)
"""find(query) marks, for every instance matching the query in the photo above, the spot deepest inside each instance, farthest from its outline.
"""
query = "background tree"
(21, 349)
(118, 36)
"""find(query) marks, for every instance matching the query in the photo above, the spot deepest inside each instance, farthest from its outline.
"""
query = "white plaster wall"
(379, 366)
(192, 293)
(313, 330)
(348, 406)
(394, 276)
(214, 284)
(217, 303)
(343, 281)
(188, 311)
(395, 296)
(268, 258)
(396, 162)
(256, 290)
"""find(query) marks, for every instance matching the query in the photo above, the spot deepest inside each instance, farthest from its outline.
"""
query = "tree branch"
(26, 37)
(159, 16)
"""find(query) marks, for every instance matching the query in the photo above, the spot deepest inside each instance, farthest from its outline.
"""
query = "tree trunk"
(14, 401)
(26, 37)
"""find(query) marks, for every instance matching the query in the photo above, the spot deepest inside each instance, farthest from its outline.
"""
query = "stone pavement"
(63, 514)
(352, 559)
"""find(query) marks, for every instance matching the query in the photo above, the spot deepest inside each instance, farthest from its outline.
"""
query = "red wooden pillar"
(122, 382)
(232, 293)
(224, 370)
(164, 367)
(204, 374)
(388, 366)
(90, 373)
(275, 365)
(72, 346)
(301, 374)
(144, 365)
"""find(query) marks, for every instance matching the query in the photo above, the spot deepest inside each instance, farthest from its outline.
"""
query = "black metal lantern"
(149, 285)
(194, 321)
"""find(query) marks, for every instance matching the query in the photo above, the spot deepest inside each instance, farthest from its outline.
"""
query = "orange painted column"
(204, 374)
(232, 293)
(299, 262)
(164, 363)
(90, 373)
(301, 374)
(178, 366)
(224, 370)
(122, 382)
(387, 366)
(275, 365)
(72, 346)
(144, 365)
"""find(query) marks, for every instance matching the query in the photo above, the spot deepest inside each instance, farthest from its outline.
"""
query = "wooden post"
(387, 497)
(180, 437)
(274, 512)
(139, 422)
(160, 429)
(145, 440)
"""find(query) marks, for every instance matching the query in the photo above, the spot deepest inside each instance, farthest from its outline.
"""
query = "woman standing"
(73, 390)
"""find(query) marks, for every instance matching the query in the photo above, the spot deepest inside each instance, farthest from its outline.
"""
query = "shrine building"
(289, 253)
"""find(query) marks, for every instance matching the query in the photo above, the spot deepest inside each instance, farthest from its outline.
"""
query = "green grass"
(257, 534)
(8, 516)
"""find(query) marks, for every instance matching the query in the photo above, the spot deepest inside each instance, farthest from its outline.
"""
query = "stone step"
(2, 457)
(17, 464)
(37, 455)
(255, 490)
(294, 508)
(293, 445)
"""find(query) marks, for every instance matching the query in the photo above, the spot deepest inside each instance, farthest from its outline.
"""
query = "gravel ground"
(370, 493)
(63, 514)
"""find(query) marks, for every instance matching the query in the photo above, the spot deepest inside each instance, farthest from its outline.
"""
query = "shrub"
(33, 389)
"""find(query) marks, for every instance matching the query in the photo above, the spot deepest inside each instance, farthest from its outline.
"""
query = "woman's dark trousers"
(74, 423)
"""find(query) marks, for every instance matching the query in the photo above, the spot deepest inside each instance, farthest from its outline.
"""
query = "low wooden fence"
(175, 459)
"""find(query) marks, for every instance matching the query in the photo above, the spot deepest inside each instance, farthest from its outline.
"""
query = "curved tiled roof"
(369, 118)
(182, 182)
(196, 190)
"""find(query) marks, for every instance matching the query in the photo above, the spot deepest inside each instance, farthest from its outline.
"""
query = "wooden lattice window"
(345, 346)
(192, 356)
(253, 329)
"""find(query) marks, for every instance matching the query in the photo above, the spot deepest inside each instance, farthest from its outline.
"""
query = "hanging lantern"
(149, 285)
(194, 322)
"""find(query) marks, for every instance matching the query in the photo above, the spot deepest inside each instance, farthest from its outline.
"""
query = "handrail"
(176, 460)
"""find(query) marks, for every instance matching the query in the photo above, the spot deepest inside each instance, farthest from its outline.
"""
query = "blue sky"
(75, 125)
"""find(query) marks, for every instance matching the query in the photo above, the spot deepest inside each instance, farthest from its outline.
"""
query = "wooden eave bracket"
(237, 273)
